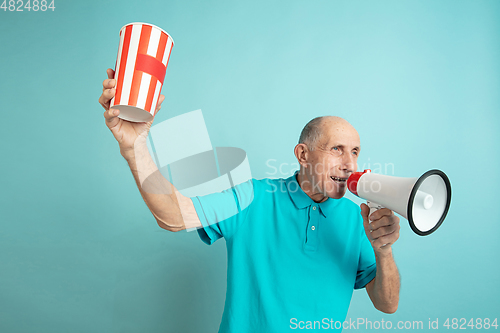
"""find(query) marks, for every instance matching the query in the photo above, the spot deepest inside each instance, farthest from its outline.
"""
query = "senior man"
(296, 248)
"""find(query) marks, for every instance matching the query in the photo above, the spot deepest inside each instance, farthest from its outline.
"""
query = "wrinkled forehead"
(339, 132)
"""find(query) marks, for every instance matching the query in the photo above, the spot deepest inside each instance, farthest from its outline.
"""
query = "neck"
(306, 186)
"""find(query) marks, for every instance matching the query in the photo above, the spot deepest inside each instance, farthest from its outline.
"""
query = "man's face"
(333, 160)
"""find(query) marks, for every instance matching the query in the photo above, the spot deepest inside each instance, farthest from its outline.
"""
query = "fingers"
(383, 231)
(111, 73)
(111, 117)
(108, 90)
(106, 97)
(384, 221)
(379, 213)
(384, 228)
(158, 106)
(365, 210)
(108, 84)
(160, 100)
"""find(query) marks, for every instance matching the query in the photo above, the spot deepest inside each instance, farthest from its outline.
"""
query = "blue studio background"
(80, 251)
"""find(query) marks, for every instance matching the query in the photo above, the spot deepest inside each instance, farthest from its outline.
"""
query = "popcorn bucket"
(140, 68)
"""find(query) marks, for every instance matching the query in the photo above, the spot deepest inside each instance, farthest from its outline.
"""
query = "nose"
(349, 163)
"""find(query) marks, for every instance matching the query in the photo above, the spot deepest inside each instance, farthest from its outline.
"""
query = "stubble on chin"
(334, 191)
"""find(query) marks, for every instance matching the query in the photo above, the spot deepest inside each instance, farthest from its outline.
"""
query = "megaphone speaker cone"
(429, 202)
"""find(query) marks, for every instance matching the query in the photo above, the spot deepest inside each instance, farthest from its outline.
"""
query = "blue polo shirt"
(290, 259)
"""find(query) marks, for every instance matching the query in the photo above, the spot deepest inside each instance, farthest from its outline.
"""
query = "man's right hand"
(125, 132)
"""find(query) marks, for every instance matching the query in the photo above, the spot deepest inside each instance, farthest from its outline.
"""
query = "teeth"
(338, 179)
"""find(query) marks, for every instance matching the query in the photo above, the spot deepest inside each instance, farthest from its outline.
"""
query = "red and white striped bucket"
(140, 69)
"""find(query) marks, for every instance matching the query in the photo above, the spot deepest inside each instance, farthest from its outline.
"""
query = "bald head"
(327, 152)
(316, 131)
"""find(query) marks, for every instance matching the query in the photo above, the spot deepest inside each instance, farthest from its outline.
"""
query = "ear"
(301, 153)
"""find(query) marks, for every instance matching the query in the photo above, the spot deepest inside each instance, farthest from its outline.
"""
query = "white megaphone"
(423, 201)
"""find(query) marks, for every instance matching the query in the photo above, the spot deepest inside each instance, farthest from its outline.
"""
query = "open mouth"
(338, 179)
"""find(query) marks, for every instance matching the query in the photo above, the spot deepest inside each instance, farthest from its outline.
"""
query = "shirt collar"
(302, 200)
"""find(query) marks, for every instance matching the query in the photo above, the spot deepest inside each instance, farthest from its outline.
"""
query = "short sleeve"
(367, 267)
(221, 214)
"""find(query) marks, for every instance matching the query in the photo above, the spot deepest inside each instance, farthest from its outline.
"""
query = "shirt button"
(313, 227)
(314, 207)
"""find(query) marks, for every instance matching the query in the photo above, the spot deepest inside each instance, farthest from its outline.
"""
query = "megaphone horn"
(423, 201)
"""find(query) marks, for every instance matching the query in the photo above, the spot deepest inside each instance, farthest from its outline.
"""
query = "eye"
(336, 150)
(355, 153)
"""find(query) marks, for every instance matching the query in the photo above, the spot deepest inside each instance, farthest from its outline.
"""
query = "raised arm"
(172, 210)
